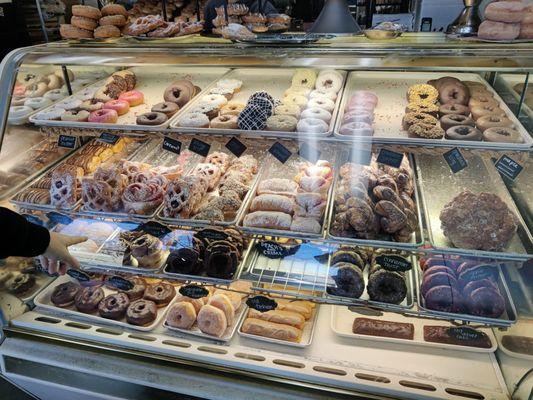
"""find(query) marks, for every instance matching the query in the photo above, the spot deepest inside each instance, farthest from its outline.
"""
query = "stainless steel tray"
(391, 88)
(273, 80)
(438, 186)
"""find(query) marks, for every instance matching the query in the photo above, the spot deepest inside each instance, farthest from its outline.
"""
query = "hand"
(57, 258)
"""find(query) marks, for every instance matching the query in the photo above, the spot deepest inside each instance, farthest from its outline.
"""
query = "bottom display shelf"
(357, 366)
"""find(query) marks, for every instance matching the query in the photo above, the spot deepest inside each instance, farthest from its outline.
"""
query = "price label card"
(508, 167)
(120, 283)
(199, 147)
(466, 334)
(309, 152)
(79, 275)
(236, 147)
(172, 145)
(279, 151)
(274, 250)
(390, 158)
(58, 218)
(68, 142)
(212, 234)
(110, 138)
(154, 228)
(194, 291)
(392, 262)
(455, 160)
(261, 303)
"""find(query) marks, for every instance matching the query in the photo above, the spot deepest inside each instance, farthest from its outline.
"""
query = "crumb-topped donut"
(426, 131)
(424, 108)
(417, 118)
(422, 93)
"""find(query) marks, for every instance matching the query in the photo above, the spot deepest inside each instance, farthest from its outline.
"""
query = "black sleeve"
(210, 14)
(268, 8)
(20, 237)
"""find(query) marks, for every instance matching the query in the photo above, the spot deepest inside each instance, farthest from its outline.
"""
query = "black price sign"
(279, 151)
(153, 228)
(212, 234)
(109, 138)
(199, 147)
(58, 218)
(236, 147)
(395, 263)
(33, 219)
(465, 334)
(274, 250)
(172, 145)
(309, 152)
(261, 303)
(508, 167)
(79, 275)
(455, 160)
(390, 158)
(120, 283)
(68, 142)
(194, 291)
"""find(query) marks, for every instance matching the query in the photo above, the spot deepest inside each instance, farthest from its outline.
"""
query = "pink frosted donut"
(359, 116)
(103, 116)
(133, 97)
(356, 129)
(366, 95)
(120, 106)
(19, 90)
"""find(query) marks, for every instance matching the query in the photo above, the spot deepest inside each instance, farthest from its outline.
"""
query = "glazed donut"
(182, 315)
(356, 129)
(321, 102)
(492, 30)
(53, 81)
(37, 102)
(453, 108)
(75, 116)
(481, 111)
(443, 298)
(295, 100)
(36, 90)
(505, 11)
(463, 132)
(17, 101)
(422, 93)
(316, 112)
(91, 105)
(55, 94)
(224, 122)
(411, 119)
(502, 134)
(116, 20)
(426, 131)
(304, 78)
(483, 101)
(161, 293)
(51, 114)
(194, 120)
(83, 23)
(68, 31)
(212, 321)
(451, 120)
(179, 93)
(86, 11)
(64, 294)
(349, 281)
(454, 93)
(208, 109)
(106, 31)
(141, 312)
(362, 116)
(281, 123)
(424, 108)
(133, 97)
(493, 121)
(312, 125)
(217, 100)
(233, 84)
(232, 108)
(137, 291)
(114, 9)
(103, 116)
(120, 106)
(301, 91)
(329, 80)
(327, 93)
(168, 108)
(151, 118)
(88, 298)
(285, 109)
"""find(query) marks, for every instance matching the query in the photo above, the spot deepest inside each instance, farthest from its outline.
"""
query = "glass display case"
(336, 219)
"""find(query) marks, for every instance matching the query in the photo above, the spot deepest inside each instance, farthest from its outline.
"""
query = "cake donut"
(141, 312)
(493, 30)
(426, 131)
(88, 298)
(83, 23)
(304, 78)
(312, 125)
(181, 315)
(75, 115)
(348, 279)
(488, 109)
(20, 283)
(360, 116)
(54, 113)
(463, 132)
(453, 108)
(194, 120)
(482, 100)
(443, 298)
(502, 134)
(161, 294)
(166, 107)
(329, 80)
(316, 112)
(437, 279)
(114, 9)
(493, 121)
(114, 306)
(91, 105)
(451, 120)
(225, 122)
(485, 302)
(455, 93)
(65, 294)
(300, 91)
(86, 12)
(232, 108)
(179, 92)
(287, 109)
(55, 94)
(138, 289)
(295, 100)
(386, 286)
(212, 321)
(424, 108)
(152, 118)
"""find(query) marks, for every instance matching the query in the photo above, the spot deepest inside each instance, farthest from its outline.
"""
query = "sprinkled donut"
(426, 131)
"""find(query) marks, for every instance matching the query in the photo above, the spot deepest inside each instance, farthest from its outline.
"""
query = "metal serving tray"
(152, 82)
(438, 186)
(391, 88)
(273, 80)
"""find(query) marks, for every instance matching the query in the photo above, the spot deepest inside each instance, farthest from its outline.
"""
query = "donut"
(437, 83)
(224, 122)
(106, 31)
(75, 116)
(137, 291)
(477, 92)
(114, 9)
(222, 302)
(209, 109)
(151, 118)
(349, 281)
(362, 116)
(88, 298)
(20, 283)
(304, 78)
(386, 286)
(505, 11)
(64, 294)
(232, 108)
(68, 31)
(438, 261)
(281, 123)
(300, 91)
(488, 109)
(483, 101)
(168, 108)
(329, 80)
(181, 315)
(453, 108)
(356, 129)
(426, 131)
(327, 93)
(29, 79)
(37, 102)
(70, 104)
(526, 30)
(285, 109)
(233, 84)
(366, 96)
(425, 108)
(492, 30)
(321, 102)
(473, 285)
(86, 11)
(316, 112)
(36, 89)
(18, 112)
(141, 312)
(86, 94)
(439, 268)
(83, 23)
(226, 92)
(295, 100)
(212, 321)
(120, 106)
(103, 116)
(451, 120)
(312, 125)
(253, 117)
(356, 103)
(422, 93)
(53, 81)
(486, 302)
(454, 93)
(51, 114)
(414, 118)
(437, 279)
(91, 105)
(133, 97)
(55, 94)
(116, 20)
(444, 298)
(114, 306)
(18, 100)
(194, 120)
(493, 121)
(144, 25)
(179, 92)
(502, 134)
(216, 100)
(161, 294)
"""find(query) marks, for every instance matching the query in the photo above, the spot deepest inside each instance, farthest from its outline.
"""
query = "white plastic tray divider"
(477, 178)
(43, 302)
(417, 237)
(276, 81)
(391, 88)
(342, 319)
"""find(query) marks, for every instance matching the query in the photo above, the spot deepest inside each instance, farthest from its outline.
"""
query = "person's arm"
(210, 14)
(268, 8)
(21, 238)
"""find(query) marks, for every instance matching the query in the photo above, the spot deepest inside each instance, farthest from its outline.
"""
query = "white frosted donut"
(328, 93)
(37, 102)
(51, 114)
(75, 116)
(55, 94)
(312, 125)
(356, 129)
(233, 84)
(321, 102)
(316, 112)
(194, 120)
(361, 116)
(18, 112)
(217, 100)
(70, 104)
(329, 80)
(36, 90)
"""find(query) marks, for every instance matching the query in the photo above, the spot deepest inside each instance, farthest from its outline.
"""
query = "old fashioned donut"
(116, 20)
(103, 116)
(179, 92)
(181, 315)
(232, 108)
(64, 294)
(304, 78)
(426, 131)
(422, 93)
(502, 134)
(486, 302)
(114, 9)
(133, 97)
(106, 31)
(161, 294)
(286, 109)
(151, 118)
(455, 93)
(87, 300)
(281, 123)
(349, 281)
(194, 120)
(492, 30)
(168, 108)
(316, 112)
(483, 101)
(212, 321)
(444, 298)
(356, 129)
(451, 120)
(493, 121)
(417, 118)
(68, 31)
(453, 108)
(37, 102)
(312, 125)
(75, 115)
(505, 11)
(424, 108)
(329, 80)
(463, 132)
(83, 23)
(141, 312)
(224, 122)
(321, 102)
(476, 92)
(86, 11)
(36, 89)
(487, 109)
(91, 105)
(437, 83)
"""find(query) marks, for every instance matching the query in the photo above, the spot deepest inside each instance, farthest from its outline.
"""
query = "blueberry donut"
(463, 132)
(316, 112)
(451, 120)
(348, 279)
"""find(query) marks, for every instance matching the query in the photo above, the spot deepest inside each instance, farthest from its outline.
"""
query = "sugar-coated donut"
(182, 315)
(312, 125)
(103, 116)
(233, 84)
(86, 11)
(321, 102)
(75, 115)
(281, 123)
(91, 105)
(83, 23)
(217, 100)
(493, 121)
(502, 134)
(194, 120)
(212, 321)
(526, 29)
(120, 106)
(329, 80)
(480, 111)
(152, 118)
(37, 102)
(450, 120)
(316, 112)
(232, 108)
(295, 100)
(286, 109)
(356, 129)
(166, 107)
(505, 11)
(133, 97)
(224, 122)
(106, 31)
(330, 94)
(453, 108)
(68, 31)
(361, 116)
(463, 132)
(116, 20)
(492, 30)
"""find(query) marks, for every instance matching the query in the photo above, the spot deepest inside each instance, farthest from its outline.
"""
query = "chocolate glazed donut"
(386, 286)
(88, 299)
(221, 259)
(137, 291)
(451, 120)
(179, 92)
(141, 312)
(443, 298)
(114, 306)
(161, 294)
(454, 93)
(463, 132)
(64, 294)
(348, 279)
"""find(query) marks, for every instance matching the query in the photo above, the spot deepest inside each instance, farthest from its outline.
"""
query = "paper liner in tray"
(43, 301)
(342, 320)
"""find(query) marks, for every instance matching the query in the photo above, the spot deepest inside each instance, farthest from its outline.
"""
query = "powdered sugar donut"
(295, 100)
(356, 129)
(321, 102)
(37, 102)
(233, 84)
(312, 125)
(316, 112)
(329, 80)
(362, 116)
(328, 93)
(86, 94)
(194, 120)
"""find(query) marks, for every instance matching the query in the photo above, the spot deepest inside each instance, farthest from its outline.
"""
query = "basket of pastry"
(208, 312)
(376, 204)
